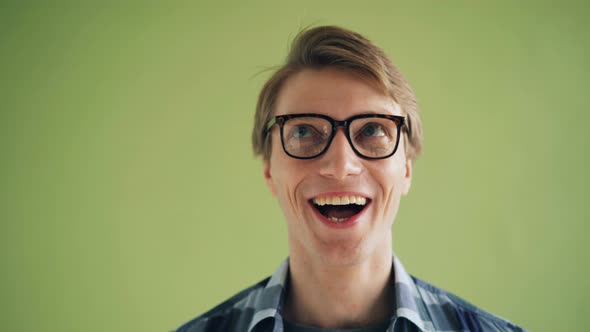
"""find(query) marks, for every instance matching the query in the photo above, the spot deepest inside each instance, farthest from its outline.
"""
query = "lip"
(339, 194)
(350, 222)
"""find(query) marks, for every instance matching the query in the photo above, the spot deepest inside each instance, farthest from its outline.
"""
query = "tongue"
(340, 211)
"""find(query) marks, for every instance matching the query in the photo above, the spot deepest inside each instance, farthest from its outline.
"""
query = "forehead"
(332, 92)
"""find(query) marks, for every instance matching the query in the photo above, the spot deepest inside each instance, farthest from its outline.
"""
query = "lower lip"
(348, 223)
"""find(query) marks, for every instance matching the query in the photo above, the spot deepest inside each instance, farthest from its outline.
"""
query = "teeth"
(334, 219)
(340, 200)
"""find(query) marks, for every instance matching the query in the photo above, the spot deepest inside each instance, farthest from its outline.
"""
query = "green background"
(130, 199)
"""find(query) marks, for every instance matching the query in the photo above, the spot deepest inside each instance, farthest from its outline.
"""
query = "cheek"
(391, 180)
(287, 177)
(392, 174)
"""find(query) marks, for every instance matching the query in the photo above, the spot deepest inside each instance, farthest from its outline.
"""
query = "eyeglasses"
(371, 136)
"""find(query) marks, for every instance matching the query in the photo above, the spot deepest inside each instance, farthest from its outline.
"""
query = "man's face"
(335, 234)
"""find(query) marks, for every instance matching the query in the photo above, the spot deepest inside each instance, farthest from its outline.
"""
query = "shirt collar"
(269, 303)
(408, 303)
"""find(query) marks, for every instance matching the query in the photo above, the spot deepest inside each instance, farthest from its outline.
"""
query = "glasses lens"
(374, 137)
(306, 137)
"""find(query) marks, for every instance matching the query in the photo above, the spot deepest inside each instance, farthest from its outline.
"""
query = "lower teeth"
(334, 219)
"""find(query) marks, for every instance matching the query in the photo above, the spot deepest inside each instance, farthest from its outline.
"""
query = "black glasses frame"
(282, 119)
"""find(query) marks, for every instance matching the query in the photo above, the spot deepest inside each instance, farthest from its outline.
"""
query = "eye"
(303, 131)
(372, 130)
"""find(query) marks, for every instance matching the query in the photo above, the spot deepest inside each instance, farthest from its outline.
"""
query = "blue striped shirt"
(419, 306)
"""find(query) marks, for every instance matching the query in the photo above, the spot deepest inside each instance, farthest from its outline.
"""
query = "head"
(339, 74)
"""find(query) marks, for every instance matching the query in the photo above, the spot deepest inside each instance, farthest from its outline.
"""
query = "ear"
(407, 179)
(269, 180)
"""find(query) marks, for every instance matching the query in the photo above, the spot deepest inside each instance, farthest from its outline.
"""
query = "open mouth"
(340, 208)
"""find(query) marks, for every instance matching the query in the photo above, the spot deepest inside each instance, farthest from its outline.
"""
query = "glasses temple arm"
(271, 123)
(408, 126)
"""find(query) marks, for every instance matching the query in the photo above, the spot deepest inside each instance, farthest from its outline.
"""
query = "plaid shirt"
(419, 307)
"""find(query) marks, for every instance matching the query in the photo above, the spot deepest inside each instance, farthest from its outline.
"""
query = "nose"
(340, 161)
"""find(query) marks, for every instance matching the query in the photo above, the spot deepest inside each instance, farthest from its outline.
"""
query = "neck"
(356, 295)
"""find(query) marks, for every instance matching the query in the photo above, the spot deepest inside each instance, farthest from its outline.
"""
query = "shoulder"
(448, 310)
(233, 314)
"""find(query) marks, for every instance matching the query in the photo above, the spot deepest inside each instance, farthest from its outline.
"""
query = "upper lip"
(338, 194)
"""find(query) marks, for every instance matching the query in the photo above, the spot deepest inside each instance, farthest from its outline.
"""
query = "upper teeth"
(340, 200)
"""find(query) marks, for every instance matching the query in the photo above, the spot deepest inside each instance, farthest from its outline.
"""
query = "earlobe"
(268, 178)
(407, 177)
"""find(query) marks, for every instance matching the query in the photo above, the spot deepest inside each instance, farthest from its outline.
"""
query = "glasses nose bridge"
(344, 124)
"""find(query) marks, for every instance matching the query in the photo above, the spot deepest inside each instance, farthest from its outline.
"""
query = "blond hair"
(335, 47)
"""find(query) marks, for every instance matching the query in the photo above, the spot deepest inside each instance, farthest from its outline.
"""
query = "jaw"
(341, 245)
(316, 240)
